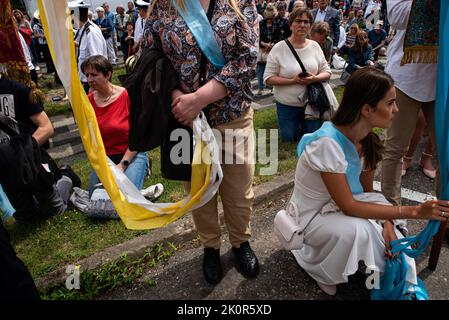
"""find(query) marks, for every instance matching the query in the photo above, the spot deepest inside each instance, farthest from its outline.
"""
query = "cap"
(141, 3)
(379, 24)
(36, 14)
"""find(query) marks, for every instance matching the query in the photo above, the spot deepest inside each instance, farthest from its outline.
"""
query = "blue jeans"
(292, 124)
(136, 172)
(260, 70)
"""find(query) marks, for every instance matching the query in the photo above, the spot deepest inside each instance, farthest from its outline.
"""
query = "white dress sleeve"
(325, 155)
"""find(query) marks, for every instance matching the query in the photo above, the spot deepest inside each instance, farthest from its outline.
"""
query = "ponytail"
(372, 149)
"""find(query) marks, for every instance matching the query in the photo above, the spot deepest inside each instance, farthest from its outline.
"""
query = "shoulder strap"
(202, 31)
(86, 26)
(296, 56)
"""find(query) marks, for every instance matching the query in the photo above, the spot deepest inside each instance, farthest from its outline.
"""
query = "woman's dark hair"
(365, 86)
(298, 12)
(99, 63)
(129, 23)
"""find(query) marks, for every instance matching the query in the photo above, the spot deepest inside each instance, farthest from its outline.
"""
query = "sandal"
(405, 164)
(430, 173)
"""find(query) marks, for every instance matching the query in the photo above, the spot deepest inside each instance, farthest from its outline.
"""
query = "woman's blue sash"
(352, 157)
(201, 29)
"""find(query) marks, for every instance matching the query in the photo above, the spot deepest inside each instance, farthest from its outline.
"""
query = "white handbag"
(287, 228)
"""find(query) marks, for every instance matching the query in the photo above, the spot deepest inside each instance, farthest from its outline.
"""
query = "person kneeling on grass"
(352, 225)
(111, 105)
(31, 181)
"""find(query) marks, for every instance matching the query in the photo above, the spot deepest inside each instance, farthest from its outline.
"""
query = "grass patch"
(111, 275)
(54, 108)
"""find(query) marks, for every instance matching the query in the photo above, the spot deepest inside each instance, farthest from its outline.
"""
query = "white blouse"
(322, 155)
(281, 62)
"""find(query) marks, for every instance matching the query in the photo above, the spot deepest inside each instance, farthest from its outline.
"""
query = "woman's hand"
(433, 210)
(304, 81)
(122, 167)
(389, 235)
(185, 108)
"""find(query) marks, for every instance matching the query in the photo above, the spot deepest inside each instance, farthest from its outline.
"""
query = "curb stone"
(180, 229)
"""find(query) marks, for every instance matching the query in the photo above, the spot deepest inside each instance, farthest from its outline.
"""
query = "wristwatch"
(125, 162)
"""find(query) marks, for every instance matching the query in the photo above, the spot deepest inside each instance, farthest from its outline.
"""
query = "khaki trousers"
(235, 191)
(398, 140)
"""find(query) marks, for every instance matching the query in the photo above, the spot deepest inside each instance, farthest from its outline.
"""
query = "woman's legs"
(420, 124)
(260, 69)
(289, 120)
(93, 180)
(136, 172)
(138, 169)
(309, 126)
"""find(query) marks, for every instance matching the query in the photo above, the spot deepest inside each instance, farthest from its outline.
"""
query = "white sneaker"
(330, 289)
(153, 192)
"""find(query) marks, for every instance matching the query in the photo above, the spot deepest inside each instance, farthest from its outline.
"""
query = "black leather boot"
(212, 266)
(247, 260)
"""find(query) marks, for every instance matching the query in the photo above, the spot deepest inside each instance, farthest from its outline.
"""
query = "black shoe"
(212, 266)
(248, 262)
(67, 171)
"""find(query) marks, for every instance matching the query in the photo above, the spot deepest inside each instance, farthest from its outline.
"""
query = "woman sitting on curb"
(352, 224)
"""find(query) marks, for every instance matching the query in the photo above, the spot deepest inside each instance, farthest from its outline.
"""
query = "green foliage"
(111, 275)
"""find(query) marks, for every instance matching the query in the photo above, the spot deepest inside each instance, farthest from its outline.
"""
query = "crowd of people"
(278, 40)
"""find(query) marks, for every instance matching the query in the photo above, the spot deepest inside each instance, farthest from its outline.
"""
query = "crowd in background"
(356, 30)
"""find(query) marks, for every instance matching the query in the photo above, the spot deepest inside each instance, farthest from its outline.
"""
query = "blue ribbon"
(199, 25)
(393, 285)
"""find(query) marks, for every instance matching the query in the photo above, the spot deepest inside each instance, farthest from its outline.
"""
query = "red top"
(113, 120)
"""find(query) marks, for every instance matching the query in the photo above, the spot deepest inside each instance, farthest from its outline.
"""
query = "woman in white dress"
(352, 225)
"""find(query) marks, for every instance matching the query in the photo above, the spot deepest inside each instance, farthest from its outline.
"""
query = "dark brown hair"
(298, 12)
(357, 47)
(365, 86)
(99, 63)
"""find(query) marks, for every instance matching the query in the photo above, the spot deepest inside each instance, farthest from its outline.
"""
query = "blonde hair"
(182, 4)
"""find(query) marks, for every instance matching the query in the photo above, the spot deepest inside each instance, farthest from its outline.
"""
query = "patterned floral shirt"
(238, 39)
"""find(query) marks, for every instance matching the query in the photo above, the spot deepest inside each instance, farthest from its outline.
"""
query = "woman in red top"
(111, 106)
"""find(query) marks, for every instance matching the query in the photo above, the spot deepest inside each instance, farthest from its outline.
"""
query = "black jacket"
(149, 88)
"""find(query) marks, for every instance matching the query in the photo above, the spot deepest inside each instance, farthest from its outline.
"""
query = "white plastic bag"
(338, 62)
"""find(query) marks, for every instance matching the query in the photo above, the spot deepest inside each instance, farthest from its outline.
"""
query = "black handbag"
(316, 95)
